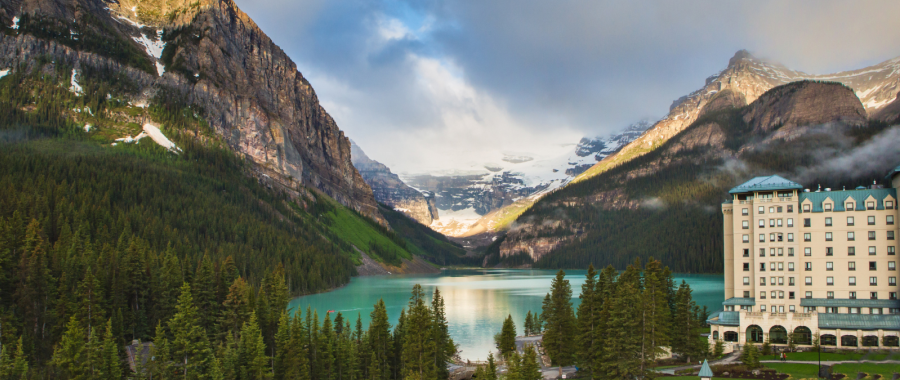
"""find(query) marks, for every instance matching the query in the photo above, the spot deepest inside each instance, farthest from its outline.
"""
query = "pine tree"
(684, 340)
(529, 324)
(530, 368)
(417, 348)
(110, 366)
(624, 339)
(19, 369)
(325, 350)
(35, 290)
(189, 347)
(506, 340)
(654, 314)
(236, 309)
(559, 332)
(379, 343)
(71, 356)
(491, 373)
(253, 361)
(444, 347)
(90, 311)
(204, 295)
(588, 311)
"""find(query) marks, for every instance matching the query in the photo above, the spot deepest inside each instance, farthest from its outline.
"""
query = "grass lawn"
(692, 378)
(885, 370)
(797, 371)
(831, 356)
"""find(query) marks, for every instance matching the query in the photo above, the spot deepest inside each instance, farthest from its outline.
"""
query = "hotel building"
(802, 264)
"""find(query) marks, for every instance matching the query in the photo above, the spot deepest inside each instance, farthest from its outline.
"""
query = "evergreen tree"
(588, 312)
(71, 356)
(19, 368)
(559, 319)
(530, 368)
(684, 338)
(654, 314)
(418, 350)
(750, 356)
(444, 347)
(624, 339)
(110, 366)
(529, 324)
(254, 364)
(204, 294)
(379, 344)
(236, 309)
(506, 339)
(189, 348)
(325, 350)
(491, 373)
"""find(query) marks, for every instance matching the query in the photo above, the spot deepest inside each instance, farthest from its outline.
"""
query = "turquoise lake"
(477, 300)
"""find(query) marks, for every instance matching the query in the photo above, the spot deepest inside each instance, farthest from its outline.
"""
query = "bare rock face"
(805, 103)
(218, 60)
(390, 189)
(889, 113)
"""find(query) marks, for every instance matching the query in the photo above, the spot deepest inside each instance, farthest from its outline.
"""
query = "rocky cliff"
(209, 56)
(390, 190)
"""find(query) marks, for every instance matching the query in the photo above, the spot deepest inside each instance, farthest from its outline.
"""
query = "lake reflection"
(477, 300)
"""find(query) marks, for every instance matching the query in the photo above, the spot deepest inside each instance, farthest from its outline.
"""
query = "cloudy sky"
(426, 85)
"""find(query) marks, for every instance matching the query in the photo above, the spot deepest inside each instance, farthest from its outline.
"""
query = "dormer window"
(870, 205)
(828, 207)
(889, 205)
(806, 208)
(850, 206)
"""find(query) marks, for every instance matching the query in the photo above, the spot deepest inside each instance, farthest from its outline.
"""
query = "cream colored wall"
(727, 211)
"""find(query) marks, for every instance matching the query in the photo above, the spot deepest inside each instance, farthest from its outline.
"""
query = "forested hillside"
(666, 203)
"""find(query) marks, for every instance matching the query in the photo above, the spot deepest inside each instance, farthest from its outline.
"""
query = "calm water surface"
(477, 300)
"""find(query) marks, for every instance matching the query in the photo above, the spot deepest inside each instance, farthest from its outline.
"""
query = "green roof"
(738, 301)
(891, 175)
(859, 321)
(840, 197)
(772, 182)
(705, 371)
(849, 303)
(725, 318)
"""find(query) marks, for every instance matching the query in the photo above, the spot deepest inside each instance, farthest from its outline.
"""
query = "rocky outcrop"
(889, 113)
(216, 60)
(390, 190)
(805, 103)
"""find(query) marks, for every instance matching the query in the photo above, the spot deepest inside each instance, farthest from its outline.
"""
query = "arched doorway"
(731, 336)
(889, 341)
(802, 335)
(715, 335)
(870, 341)
(828, 340)
(849, 341)
(778, 335)
(754, 334)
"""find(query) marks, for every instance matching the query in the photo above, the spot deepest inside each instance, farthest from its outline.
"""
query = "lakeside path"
(733, 358)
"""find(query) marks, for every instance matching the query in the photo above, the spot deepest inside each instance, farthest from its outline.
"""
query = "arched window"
(754, 334)
(889, 341)
(715, 335)
(731, 336)
(828, 340)
(849, 341)
(802, 335)
(870, 341)
(777, 335)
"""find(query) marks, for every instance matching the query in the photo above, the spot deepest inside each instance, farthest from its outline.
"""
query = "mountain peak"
(740, 55)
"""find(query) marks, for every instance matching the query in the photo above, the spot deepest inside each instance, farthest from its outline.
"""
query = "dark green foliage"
(559, 322)
(506, 339)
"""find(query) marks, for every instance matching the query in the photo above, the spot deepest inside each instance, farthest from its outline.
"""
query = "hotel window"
(809, 294)
(762, 308)
(790, 267)
(807, 236)
(745, 225)
(762, 223)
(762, 252)
(873, 281)
(829, 281)
(762, 281)
(805, 208)
(889, 205)
(774, 295)
(893, 296)
(745, 212)
(761, 210)
(809, 281)
(790, 250)
(829, 251)
(762, 238)
(781, 294)
(828, 207)
(807, 251)
(746, 252)
(807, 222)
(791, 296)
(746, 238)
(762, 295)
(790, 222)
(892, 265)
(762, 267)
(872, 251)
(871, 235)
(772, 266)
(870, 205)
(772, 237)
(850, 221)
(808, 266)
(771, 222)
(829, 295)
(780, 251)
(829, 266)
(874, 310)
(852, 295)
(849, 206)
(890, 235)
(790, 208)
(890, 220)
(781, 281)
(779, 209)
(790, 281)
(771, 251)
(871, 220)
(873, 265)
(792, 307)
(772, 281)
(746, 267)
(746, 295)
(790, 238)
(851, 265)
(853, 310)
(780, 268)
(851, 251)
(771, 210)
(852, 281)
(892, 281)
(873, 295)
(746, 282)
(851, 236)
(779, 222)
(828, 236)
(827, 222)
(892, 250)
